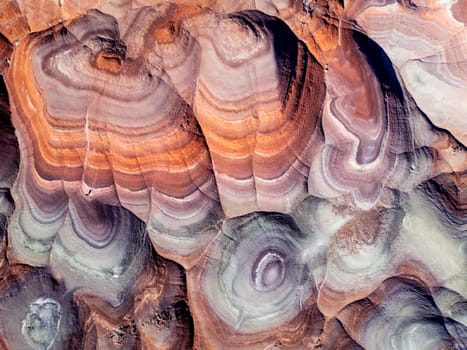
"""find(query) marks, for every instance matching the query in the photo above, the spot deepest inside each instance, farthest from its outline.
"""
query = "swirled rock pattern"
(233, 175)
(36, 312)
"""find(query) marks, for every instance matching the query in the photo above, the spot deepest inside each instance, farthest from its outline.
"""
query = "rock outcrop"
(233, 175)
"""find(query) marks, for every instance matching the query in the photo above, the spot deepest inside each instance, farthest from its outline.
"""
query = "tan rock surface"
(271, 174)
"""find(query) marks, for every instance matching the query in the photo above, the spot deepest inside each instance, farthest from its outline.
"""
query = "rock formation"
(233, 175)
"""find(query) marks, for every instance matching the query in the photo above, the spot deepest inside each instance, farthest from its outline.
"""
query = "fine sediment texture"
(233, 175)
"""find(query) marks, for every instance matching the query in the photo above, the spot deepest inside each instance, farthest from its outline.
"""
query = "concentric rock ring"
(254, 269)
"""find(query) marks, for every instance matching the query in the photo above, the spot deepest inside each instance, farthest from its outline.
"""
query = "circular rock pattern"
(303, 165)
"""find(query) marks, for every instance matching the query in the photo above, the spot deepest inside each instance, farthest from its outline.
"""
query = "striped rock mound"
(233, 175)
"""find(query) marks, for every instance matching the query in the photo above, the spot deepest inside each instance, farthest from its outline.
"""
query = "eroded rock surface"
(233, 175)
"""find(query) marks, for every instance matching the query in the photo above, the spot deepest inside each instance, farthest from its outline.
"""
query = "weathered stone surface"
(233, 175)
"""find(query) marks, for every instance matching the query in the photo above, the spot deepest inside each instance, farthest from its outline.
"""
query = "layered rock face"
(233, 175)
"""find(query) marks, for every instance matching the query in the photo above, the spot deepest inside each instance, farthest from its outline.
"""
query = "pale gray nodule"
(41, 324)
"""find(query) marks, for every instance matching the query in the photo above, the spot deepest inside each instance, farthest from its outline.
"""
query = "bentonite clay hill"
(233, 174)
